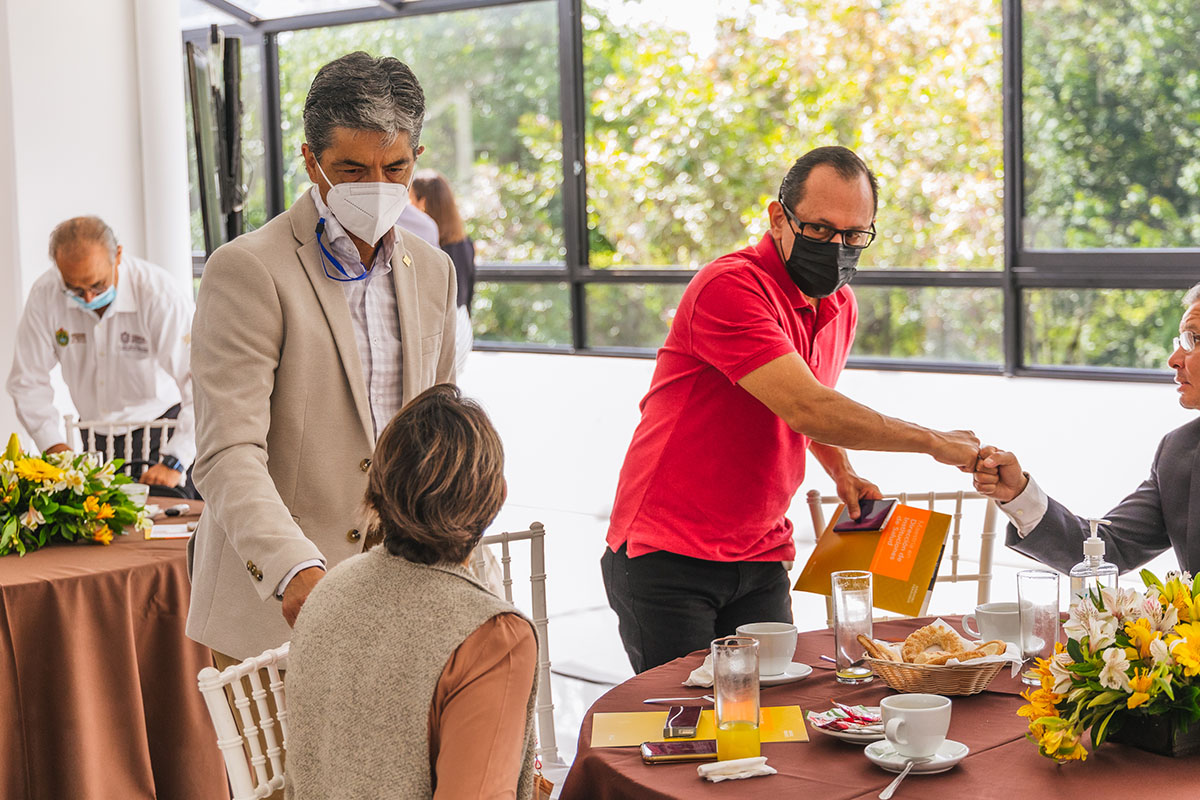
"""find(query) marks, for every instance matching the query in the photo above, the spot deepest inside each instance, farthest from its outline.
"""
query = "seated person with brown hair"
(407, 678)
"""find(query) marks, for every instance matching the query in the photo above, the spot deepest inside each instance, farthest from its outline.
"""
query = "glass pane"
(198, 14)
(630, 314)
(930, 324)
(254, 150)
(492, 122)
(1101, 327)
(537, 313)
(1111, 89)
(195, 219)
(684, 153)
(272, 9)
(254, 163)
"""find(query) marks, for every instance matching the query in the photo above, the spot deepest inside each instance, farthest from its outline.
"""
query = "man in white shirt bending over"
(121, 330)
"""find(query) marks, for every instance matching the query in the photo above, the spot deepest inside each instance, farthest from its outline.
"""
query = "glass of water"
(851, 616)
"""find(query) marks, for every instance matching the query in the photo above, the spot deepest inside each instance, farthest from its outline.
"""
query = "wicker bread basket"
(956, 679)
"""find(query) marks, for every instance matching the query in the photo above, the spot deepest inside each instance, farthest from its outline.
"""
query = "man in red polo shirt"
(742, 389)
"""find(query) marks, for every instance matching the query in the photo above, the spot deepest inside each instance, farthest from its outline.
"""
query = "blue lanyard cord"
(347, 277)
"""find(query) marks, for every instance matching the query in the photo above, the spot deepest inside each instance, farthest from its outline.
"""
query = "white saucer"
(794, 672)
(854, 737)
(884, 754)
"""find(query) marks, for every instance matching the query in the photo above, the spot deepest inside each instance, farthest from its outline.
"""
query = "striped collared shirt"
(374, 312)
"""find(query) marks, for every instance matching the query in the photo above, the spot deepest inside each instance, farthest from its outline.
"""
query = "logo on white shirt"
(62, 337)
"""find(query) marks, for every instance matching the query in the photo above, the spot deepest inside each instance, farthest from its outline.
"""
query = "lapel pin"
(407, 261)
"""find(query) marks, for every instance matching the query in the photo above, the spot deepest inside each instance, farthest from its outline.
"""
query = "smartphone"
(667, 752)
(873, 516)
(681, 722)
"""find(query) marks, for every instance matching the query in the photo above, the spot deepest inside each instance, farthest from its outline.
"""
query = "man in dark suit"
(1162, 513)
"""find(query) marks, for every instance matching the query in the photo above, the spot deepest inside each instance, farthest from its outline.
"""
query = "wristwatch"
(171, 462)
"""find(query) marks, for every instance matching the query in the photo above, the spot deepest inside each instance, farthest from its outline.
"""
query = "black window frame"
(1023, 269)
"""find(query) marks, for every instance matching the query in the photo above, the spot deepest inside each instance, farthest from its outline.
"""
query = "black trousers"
(669, 605)
(132, 452)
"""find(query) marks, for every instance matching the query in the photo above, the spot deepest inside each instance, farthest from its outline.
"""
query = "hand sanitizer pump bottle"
(1093, 573)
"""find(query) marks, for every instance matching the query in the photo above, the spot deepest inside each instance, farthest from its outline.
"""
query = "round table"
(97, 679)
(1002, 763)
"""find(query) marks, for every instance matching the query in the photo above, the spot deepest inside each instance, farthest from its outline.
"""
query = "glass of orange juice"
(735, 684)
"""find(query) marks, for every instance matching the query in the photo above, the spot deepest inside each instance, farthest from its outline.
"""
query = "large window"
(604, 150)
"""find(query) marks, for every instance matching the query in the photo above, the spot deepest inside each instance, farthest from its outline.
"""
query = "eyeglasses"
(96, 288)
(1185, 341)
(99, 287)
(820, 232)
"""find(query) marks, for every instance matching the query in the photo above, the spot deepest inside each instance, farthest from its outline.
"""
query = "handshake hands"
(996, 472)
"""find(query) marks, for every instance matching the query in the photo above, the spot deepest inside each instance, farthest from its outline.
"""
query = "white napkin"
(734, 770)
(701, 675)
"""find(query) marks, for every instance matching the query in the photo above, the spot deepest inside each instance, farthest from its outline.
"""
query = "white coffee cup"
(915, 724)
(139, 493)
(994, 621)
(776, 645)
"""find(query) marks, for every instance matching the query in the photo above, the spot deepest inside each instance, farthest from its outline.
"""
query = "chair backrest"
(254, 757)
(951, 503)
(547, 745)
(112, 430)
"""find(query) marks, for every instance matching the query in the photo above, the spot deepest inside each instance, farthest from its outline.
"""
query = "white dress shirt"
(130, 364)
(414, 220)
(1026, 509)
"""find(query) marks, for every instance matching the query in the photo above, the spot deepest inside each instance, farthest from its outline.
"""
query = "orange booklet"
(903, 557)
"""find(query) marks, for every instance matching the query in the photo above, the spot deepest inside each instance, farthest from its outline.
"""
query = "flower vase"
(1157, 734)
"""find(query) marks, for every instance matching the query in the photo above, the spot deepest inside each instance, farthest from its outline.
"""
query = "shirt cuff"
(1026, 509)
(312, 562)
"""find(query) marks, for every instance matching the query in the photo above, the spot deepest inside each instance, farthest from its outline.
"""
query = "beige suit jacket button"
(365, 464)
(353, 535)
(253, 569)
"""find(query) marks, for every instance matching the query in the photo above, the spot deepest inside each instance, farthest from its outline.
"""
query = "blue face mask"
(99, 301)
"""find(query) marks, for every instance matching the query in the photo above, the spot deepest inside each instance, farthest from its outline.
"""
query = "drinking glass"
(1037, 596)
(735, 684)
(851, 616)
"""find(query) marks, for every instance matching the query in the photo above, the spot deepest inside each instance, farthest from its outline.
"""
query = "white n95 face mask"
(366, 209)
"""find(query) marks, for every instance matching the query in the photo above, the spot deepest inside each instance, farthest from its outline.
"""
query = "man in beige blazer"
(307, 338)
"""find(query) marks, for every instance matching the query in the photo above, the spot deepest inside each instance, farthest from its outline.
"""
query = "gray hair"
(1193, 294)
(844, 160)
(82, 230)
(364, 93)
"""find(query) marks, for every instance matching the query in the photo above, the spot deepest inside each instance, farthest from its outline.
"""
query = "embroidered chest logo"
(62, 337)
(134, 343)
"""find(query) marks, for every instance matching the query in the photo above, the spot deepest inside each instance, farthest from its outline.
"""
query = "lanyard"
(346, 276)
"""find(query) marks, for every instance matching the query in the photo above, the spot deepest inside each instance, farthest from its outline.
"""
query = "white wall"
(71, 136)
(567, 421)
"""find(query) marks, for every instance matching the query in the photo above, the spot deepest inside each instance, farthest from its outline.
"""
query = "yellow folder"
(631, 728)
(904, 558)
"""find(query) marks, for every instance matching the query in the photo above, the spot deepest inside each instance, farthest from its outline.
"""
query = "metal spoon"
(832, 660)
(891, 787)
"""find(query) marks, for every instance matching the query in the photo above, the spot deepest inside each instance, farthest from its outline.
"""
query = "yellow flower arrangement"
(1127, 653)
(62, 496)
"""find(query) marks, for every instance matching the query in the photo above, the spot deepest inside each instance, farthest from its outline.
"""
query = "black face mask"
(821, 268)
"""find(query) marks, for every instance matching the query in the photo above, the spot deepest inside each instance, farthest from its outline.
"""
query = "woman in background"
(430, 192)
(407, 678)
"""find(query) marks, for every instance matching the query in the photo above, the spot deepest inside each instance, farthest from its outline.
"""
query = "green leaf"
(1100, 733)
(1075, 651)
(1106, 697)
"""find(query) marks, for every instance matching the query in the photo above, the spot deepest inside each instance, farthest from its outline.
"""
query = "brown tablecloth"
(1001, 764)
(98, 694)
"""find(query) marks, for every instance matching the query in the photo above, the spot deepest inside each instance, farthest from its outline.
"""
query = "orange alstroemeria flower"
(1140, 683)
